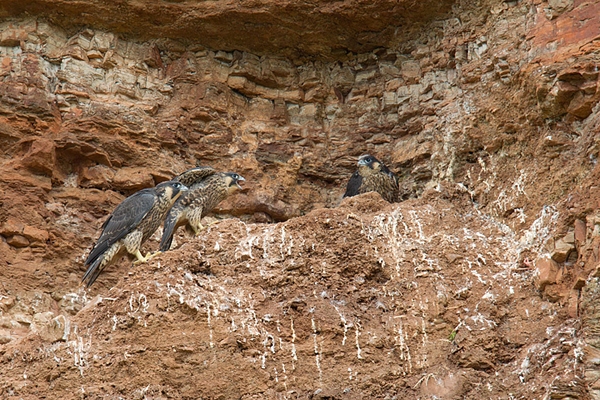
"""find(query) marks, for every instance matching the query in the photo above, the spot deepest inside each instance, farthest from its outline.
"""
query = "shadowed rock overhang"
(320, 28)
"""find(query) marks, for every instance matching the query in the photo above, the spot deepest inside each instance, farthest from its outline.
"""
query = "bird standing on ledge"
(373, 176)
(207, 189)
(130, 225)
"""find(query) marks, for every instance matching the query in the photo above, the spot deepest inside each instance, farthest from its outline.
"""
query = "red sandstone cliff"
(482, 284)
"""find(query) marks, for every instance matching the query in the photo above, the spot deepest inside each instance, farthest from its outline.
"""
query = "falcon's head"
(172, 189)
(369, 161)
(232, 181)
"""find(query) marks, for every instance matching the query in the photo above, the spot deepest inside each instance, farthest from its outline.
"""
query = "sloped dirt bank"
(369, 300)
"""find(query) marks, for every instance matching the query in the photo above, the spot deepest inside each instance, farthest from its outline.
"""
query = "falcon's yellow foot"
(149, 256)
(201, 227)
(140, 259)
(198, 229)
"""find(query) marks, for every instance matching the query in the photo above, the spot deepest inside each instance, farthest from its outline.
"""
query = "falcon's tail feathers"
(93, 271)
(168, 231)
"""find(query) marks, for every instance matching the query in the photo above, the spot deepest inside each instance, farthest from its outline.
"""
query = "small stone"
(18, 241)
(152, 57)
(111, 60)
(70, 302)
(564, 91)
(36, 235)
(582, 105)
(411, 71)
(12, 227)
(580, 231)
(547, 272)
(103, 41)
(6, 302)
(237, 82)
(562, 250)
(43, 318)
(41, 156)
(224, 56)
(76, 53)
(94, 54)
(56, 329)
(569, 238)
(589, 87)
(389, 101)
(5, 337)
(23, 319)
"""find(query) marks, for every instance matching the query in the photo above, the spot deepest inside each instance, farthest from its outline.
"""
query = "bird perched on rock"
(373, 176)
(130, 225)
(207, 189)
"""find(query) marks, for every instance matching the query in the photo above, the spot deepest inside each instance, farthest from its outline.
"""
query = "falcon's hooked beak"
(237, 182)
(181, 189)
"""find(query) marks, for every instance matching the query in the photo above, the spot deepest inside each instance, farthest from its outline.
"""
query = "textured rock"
(562, 250)
(487, 110)
(580, 232)
(318, 27)
(547, 272)
(291, 309)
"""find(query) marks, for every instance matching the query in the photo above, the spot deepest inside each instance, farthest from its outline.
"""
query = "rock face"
(366, 300)
(481, 284)
(315, 28)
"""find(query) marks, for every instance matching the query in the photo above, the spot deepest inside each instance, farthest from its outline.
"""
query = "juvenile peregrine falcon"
(373, 176)
(208, 190)
(130, 225)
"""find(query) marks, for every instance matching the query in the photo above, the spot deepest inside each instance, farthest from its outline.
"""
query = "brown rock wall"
(315, 28)
(497, 100)
(361, 301)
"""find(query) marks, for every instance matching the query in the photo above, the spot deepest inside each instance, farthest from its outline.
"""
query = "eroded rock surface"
(482, 283)
(316, 28)
(366, 300)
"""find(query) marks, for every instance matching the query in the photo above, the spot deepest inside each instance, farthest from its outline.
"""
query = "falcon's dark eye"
(236, 176)
(368, 159)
